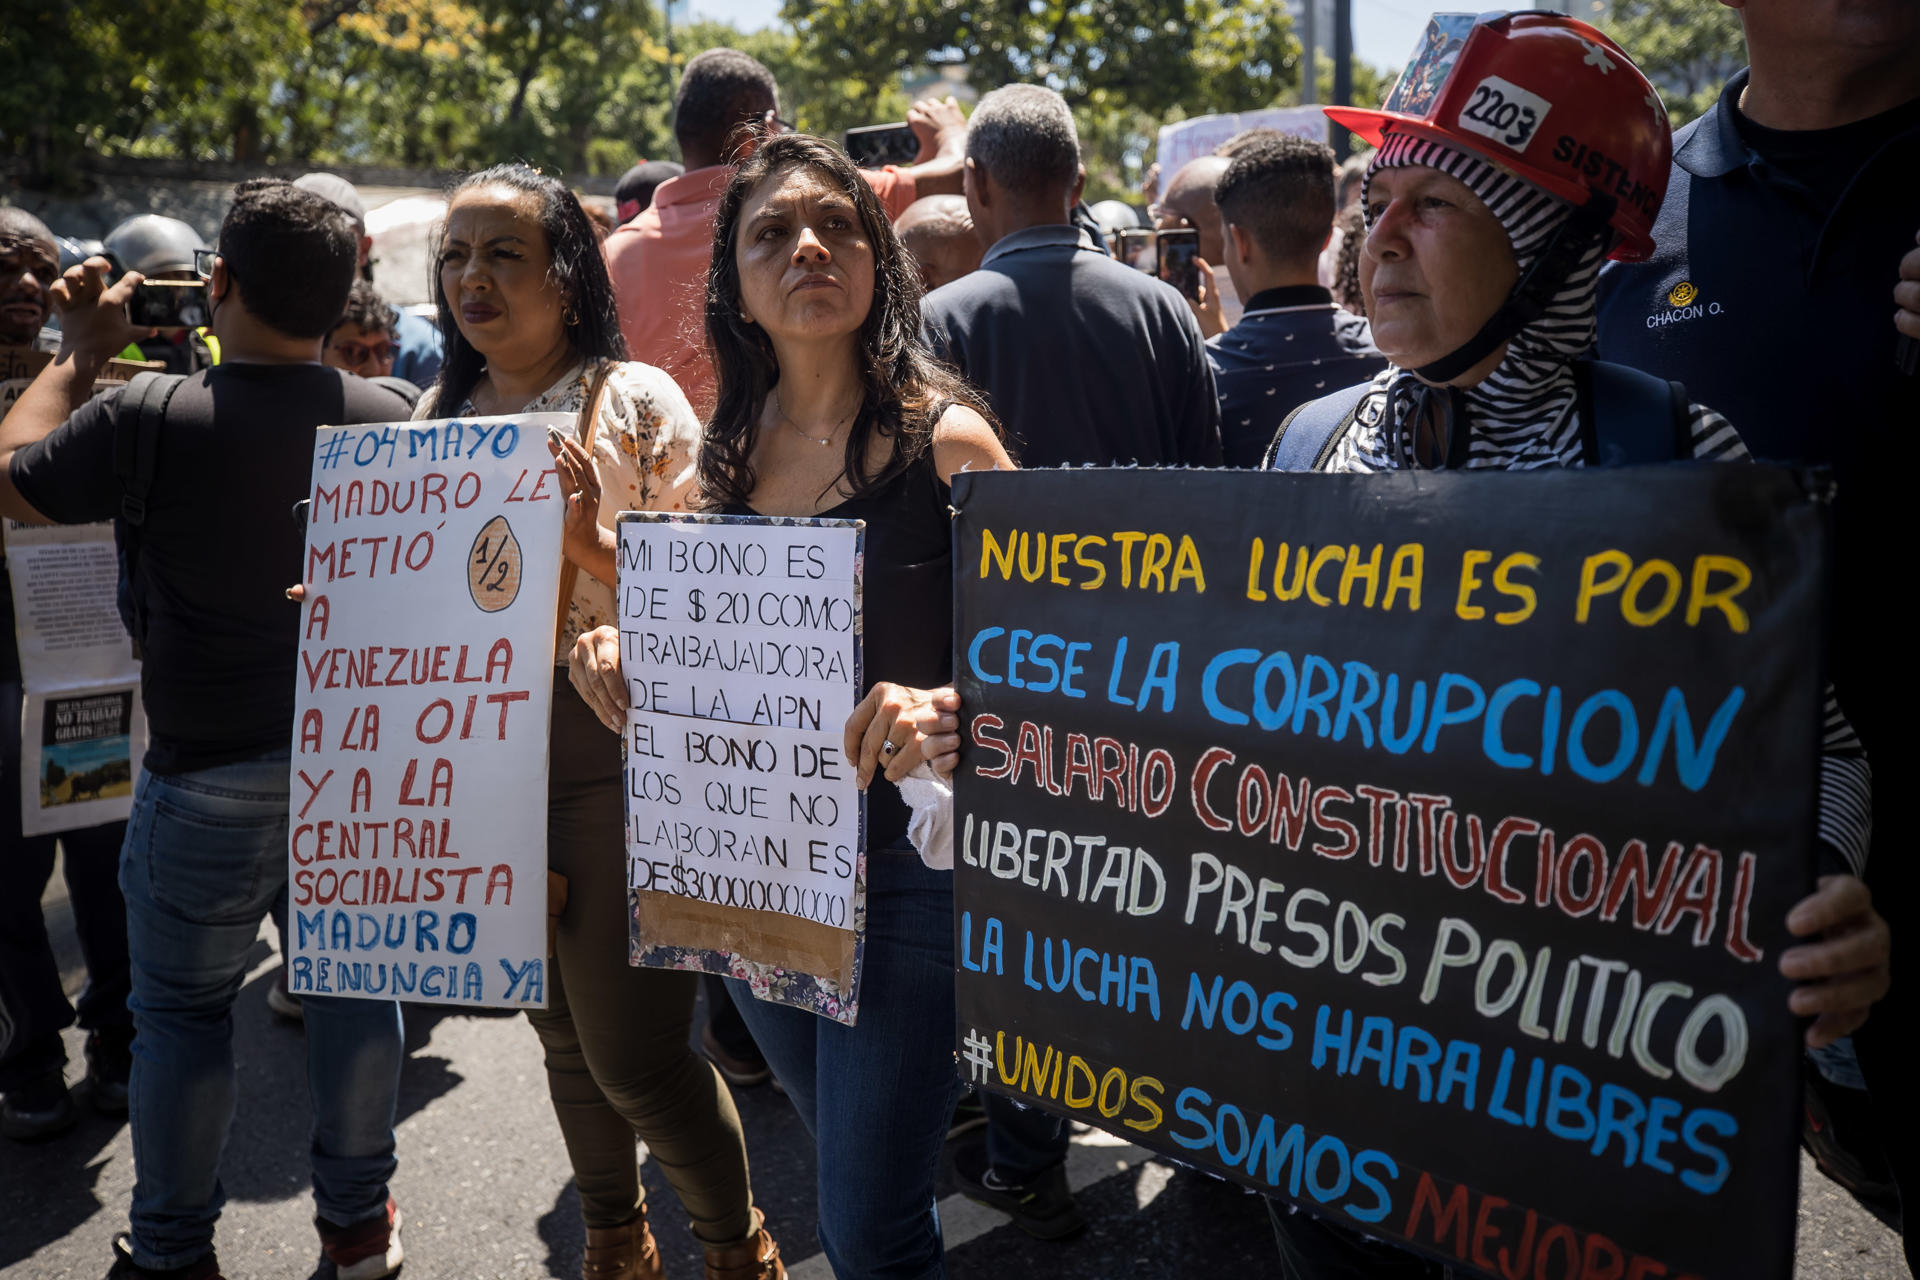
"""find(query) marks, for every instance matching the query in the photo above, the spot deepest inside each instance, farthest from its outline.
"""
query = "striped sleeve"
(1846, 789)
(1714, 439)
(1846, 779)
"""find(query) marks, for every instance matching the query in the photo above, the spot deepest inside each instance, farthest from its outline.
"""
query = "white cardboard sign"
(418, 832)
(740, 643)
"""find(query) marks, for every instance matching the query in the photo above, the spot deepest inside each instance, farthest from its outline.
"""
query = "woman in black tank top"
(828, 404)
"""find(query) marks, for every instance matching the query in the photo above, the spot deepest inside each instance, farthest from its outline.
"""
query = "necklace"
(795, 427)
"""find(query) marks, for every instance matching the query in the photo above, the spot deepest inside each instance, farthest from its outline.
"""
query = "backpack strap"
(136, 447)
(1629, 418)
(136, 441)
(1308, 435)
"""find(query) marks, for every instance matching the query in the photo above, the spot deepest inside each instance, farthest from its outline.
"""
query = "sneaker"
(366, 1250)
(124, 1268)
(1042, 1207)
(741, 1073)
(109, 1067)
(38, 1110)
(968, 1114)
(283, 1001)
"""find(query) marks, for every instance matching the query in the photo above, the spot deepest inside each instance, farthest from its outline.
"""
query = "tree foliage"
(586, 86)
(1688, 49)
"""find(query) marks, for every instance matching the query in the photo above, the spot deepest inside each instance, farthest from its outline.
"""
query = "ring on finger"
(888, 747)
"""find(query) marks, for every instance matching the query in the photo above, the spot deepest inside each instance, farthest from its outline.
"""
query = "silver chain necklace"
(795, 427)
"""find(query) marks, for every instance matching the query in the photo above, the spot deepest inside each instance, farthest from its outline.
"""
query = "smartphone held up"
(1178, 257)
(169, 304)
(874, 146)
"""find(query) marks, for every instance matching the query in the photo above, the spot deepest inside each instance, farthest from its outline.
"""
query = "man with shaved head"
(938, 232)
(1188, 202)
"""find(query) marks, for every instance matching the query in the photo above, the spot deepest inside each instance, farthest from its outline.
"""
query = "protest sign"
(740, 644)
(1197, 136)
(418, 841)
(82, 730)
(1415, 848)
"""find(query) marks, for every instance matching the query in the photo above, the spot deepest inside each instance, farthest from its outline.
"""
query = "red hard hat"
(1547, 98)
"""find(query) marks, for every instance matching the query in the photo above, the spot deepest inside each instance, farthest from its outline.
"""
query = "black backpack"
(136, 447)
(1627, 417)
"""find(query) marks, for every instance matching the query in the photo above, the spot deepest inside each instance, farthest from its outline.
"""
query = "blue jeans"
(205, 857)
(877, 1097)
(1023, 1143)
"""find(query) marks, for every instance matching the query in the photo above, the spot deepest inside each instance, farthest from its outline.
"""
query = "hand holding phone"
(93, 314)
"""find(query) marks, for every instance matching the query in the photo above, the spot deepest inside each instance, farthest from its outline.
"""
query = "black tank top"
(907, 603)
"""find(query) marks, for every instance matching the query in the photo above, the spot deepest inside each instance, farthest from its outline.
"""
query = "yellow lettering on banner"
(1126, 541)
(1153, 565)
(1503, 583)
(1134, 1090)
(1700, 599)
(1077, 1067)
(1039, 556)
(1057, 559)
(1367, 570)
(1292, 590)
(1630, 602)
(1186, 565)
(1409, 565)
(1254, 556)
(993, 554)
(1650, 591)
(1099, 568)
(1321, 559)
(1469, 582)
(1593, 586)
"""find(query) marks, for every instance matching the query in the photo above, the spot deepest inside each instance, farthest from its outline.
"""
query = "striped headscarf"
(1522, 414)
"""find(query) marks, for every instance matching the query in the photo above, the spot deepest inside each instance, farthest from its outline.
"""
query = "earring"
(571, 316)
(745, 318)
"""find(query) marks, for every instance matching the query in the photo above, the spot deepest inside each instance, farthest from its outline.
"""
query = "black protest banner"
(1414, 848)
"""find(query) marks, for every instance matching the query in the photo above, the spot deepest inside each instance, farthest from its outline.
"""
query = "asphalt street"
(487, 1192)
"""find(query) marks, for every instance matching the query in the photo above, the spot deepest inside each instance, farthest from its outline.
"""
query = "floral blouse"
(644, 450)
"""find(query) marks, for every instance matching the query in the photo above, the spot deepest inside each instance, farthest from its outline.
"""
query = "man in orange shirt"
(659, 260)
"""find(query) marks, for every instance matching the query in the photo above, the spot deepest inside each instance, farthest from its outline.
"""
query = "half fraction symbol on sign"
(493, 568)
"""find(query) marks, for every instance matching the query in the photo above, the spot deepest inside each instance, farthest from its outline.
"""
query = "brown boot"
(755, 1258)
(622, 1253)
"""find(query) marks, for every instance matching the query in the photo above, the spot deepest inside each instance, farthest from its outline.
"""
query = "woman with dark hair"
(829, 405)
(529, 317)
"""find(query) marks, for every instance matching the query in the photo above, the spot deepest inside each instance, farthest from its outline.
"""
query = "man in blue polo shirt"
(1292, 344)
(1792, 203)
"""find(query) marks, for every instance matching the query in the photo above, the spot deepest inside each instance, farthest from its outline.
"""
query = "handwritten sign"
(1197, 136)
(740, 644)
(82, 730)
(1413, 848)
(419, 827)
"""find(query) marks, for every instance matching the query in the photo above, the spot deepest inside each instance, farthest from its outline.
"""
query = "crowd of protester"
(767, 329)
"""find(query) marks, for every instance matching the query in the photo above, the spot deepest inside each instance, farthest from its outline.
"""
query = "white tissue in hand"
(931, 827)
